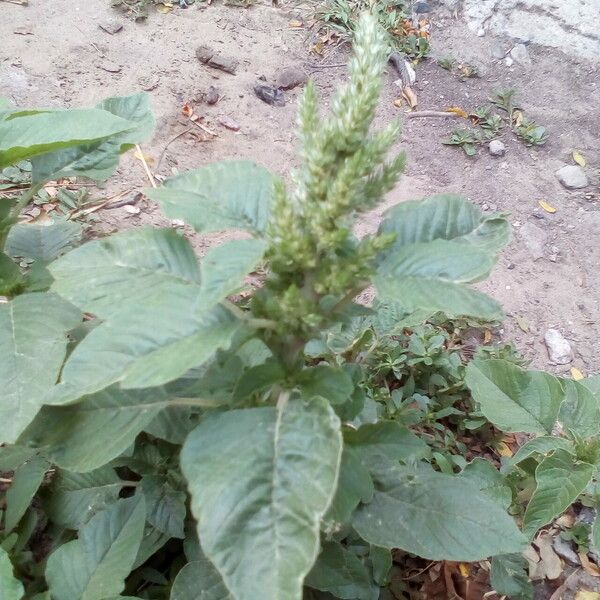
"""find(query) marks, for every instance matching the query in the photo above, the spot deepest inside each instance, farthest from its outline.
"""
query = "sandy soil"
(59, 56)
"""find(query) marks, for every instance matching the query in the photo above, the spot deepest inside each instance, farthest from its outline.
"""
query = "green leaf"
(354, 486)
(172, 424)
(513, 399)
(199, 580)
(87, 435)
(560, 478)
(595, 536)
(74, 497)
(436, 516)
(592, 384)
(152, 541)
(261, 479)
(98, 160)
(26, 482)
(381, 562)
(488, 480)
(258, 378)
(33, 338)
(225, 195)
(509, 577)
(25, 135)
(386, 438)
(165, 506)
(42, 242)
(102, 276)
(327, 382)
(580, 412)
(446, 217)
(11, 278)
(10, 587)
(95, 565)
(341, 573)
(541, 445)
(432, 276)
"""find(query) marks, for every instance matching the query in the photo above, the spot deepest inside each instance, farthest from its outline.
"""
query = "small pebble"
(497, 148)
(572, 177)
(559, 349)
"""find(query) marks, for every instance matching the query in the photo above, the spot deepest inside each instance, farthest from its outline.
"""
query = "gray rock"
(212, 95)
(572, 177)
(520, 54)
(559, 349)
(508, 61)
(110, 26)
(497, 148)
(216, 60)
(586, 515)
(109, 66)
(534, 239)
(498, 51)
(565, 550)
(290, 77)
(421, 7)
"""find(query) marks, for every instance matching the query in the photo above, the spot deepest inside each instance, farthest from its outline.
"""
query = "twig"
(432, 113)
(146, 168)
(334, 66)
(89, 209)
(162, 154)
(205, 128)
(5, 480)
(18, 2)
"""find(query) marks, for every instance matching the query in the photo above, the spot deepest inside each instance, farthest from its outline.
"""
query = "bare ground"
(65, 59)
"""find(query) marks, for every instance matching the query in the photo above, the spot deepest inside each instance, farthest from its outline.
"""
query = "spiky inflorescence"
(313, 252)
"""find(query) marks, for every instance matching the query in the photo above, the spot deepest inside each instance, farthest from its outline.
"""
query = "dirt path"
(549, 276)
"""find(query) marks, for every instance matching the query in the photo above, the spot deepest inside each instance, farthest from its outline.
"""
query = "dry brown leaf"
(588, 565)
(522, 323)
(187, 110)
(487, 336)
(578, 158)
(587, 595)
(550, 560)
(547, 207)
(576, 374)
(465, 569)
(295, 23)
(517, 118)
(164, 8)
(410, 96)
(503, 450)
(457, 110)
(144, 157)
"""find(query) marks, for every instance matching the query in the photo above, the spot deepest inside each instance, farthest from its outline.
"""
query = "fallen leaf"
(410, 96)
(465, 569)
(517, 117)
(295, 23)
(547, 207)
(487, 336)
(317, 48)
(457, 110)
(552, 563)
(164, 8)
(587, 595)
(578, 158)
(589, 566)
(522, 323)
(144, 157)
(398, 102)
(576, 374)
(187, 110)
(503, 449)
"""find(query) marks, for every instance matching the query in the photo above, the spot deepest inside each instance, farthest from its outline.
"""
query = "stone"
(291, 77)
(420, 7)
(229, 123)
(534, 239)
(565, 550)
(209, 56)
(559, 349)
(497, 148)
(572, 177)
(508, 61)
(148, 82)
(212, 95)
(480, 32)
(109, 66)
(520, 54)
(497, 51)
(111, 26)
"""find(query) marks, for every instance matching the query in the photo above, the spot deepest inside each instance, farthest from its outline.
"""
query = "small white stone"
(559, 349)
(480, 32)
(508, 61)
(178, 223)
(497, 148)
(572, 177)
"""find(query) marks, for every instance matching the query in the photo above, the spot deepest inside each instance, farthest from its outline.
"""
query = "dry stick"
(162, 154)
(205, 128)
(147, 169)
(432, 113)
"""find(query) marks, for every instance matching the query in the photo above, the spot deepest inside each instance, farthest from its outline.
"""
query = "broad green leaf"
(354, 486)
(95, 565)
(26, 482)
(340, 573)
(42, 242)
(488, 480)
(145, 346)
(10, 587)
(436, 516)
(592, 384)
(98, 160)
(25, 135)
(255, 379)
(12, 457)
(595, 537)
(152, 541)
(381, 563)
(33, 338)
(165, 507)
(446, 217)
(422, 283)
(509, 577)
(513, 399)
(225, 267)
(102, 276)
(199, 580)
(560, 478)
(74, 497)
(580, 412)
(540, 445)
(225, 195)
(325, 381)
(172, 424)
(84, 436)
(11, 279)
(387, 438)
(260, 480)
